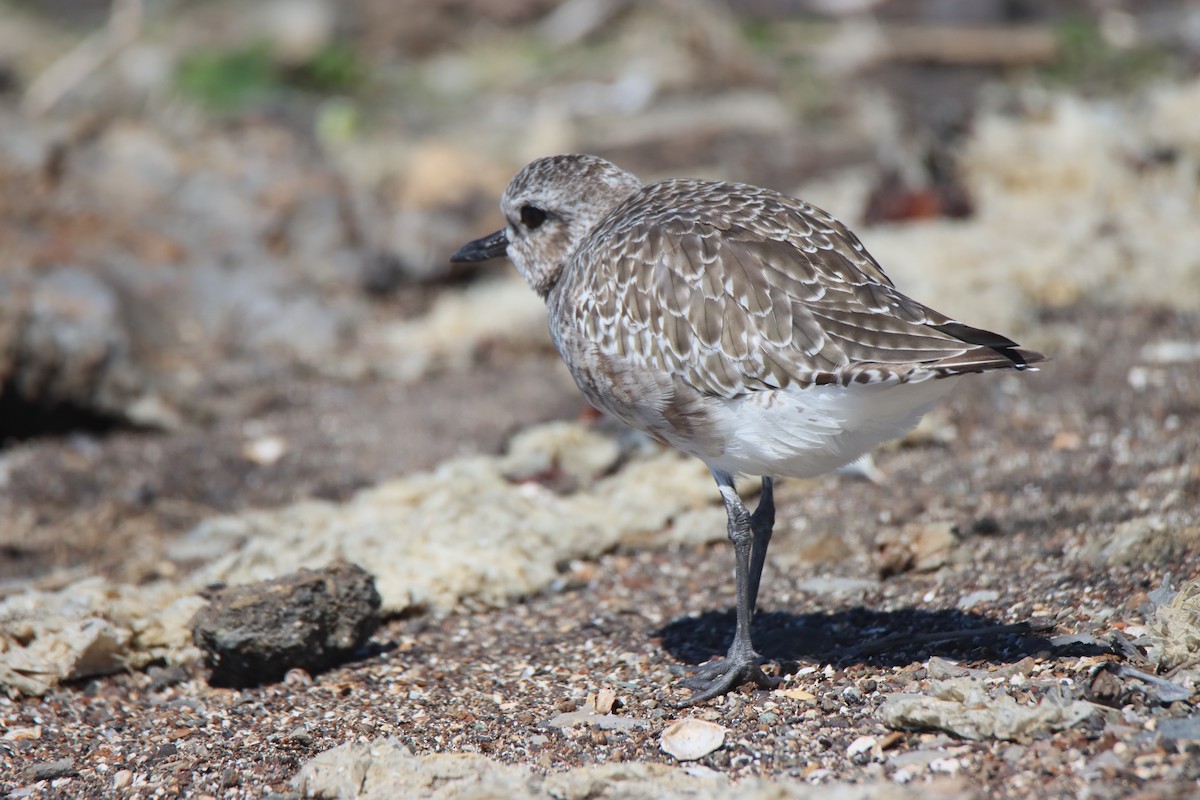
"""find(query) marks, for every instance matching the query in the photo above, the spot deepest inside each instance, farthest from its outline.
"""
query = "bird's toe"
(716, 678)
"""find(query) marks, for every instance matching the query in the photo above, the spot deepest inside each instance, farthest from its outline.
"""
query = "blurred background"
(224, 227)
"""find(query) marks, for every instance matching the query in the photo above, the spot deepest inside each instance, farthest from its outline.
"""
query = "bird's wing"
(734, 288)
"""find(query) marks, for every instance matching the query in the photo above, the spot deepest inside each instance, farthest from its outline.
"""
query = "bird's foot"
(715, 678)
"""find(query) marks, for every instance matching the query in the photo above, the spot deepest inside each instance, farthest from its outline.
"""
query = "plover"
(747, 328)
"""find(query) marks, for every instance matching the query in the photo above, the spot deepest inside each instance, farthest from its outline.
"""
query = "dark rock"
(1106, 688)
(1180, 729)
(166, 677)
(65, 357)
(383, 274)
(168, 750)
(311, 619)
(49, 770)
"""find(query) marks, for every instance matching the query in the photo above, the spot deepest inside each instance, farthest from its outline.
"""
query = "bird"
(737, 324)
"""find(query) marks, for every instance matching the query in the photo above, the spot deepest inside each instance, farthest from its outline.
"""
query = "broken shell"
(689, 739)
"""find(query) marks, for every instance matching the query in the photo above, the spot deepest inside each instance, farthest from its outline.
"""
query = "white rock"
(862, 744)
(265, 450)
(969, 601)
(947, 765)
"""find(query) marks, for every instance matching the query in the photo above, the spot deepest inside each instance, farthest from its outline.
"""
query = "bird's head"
(551, 206)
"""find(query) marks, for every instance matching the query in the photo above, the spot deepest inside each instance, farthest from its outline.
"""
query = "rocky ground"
(1063, 501)
(231, 349)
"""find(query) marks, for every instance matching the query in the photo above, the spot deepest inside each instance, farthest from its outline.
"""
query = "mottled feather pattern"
(735, 288)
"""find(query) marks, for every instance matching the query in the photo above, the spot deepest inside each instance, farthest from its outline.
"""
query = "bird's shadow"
(847, 636)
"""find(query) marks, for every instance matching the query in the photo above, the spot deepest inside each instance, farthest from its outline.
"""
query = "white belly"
(803, 433)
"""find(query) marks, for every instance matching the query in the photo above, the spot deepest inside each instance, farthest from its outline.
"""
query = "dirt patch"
(1026, 500)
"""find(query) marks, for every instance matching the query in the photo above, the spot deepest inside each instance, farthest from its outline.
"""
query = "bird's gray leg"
(762, 522)
(742, 662)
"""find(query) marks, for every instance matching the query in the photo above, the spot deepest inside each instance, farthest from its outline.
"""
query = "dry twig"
(57, 81)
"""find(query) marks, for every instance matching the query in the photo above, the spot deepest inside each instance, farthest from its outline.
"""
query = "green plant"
(227, 81)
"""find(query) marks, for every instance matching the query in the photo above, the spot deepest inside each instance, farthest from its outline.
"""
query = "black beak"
(493, 245)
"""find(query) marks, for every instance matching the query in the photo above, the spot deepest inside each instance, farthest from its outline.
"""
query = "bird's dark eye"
(532, 216)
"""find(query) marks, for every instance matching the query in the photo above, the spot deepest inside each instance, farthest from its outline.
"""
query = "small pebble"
(168, 750)
(49, 770)
(297, 677)
(23, 734)
(299, 735)
(818, 775)
(947, 765)
(861, 745)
